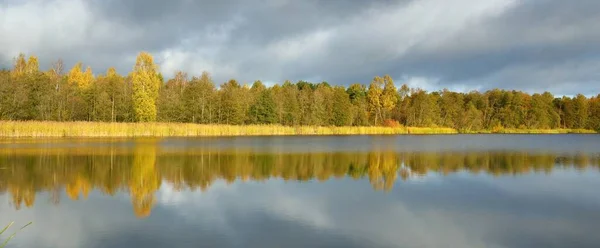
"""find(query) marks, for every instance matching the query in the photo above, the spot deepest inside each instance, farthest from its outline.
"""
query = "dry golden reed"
(105, 129)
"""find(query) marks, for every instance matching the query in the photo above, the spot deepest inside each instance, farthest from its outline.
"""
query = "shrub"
(392, 123)
(498, 128)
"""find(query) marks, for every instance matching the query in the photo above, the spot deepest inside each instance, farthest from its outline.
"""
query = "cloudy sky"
(531, 45)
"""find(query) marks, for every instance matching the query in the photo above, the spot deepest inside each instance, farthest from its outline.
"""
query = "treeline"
(26, 93)
(140, 172)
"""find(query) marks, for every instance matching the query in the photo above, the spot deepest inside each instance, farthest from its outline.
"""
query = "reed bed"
(534, 131)
(104, 129)
(546, 131)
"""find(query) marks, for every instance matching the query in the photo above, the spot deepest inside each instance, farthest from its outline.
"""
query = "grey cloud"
(537, 38)
(527, 45)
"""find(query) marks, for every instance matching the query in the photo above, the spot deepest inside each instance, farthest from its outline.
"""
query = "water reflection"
(141, 167)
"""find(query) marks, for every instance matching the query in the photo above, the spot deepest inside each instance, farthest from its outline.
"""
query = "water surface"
(346, 191)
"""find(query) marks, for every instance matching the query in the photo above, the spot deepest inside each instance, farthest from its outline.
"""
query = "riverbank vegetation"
(17, 129)
(252, 108)
(154, 129)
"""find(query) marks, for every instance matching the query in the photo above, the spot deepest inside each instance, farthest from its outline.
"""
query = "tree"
(199, 98)
(6, 92)
(538, 116)
(27, 92)
(116, 89)
(232, 109)
(594, 113)
(102, 104)
(262, 110)
(146, 84)
(291, 108)
(32, 65)
(360, 111)
(170, 104)
(389, 97)
(374, 98)
(322, 105)
(472, 119)
(79, 78)
(80, 98)
(424, 110)
(515, 112)
(342, 114)
(279, 100)
(580, 111)
(38, 102)
(20, 65)
(492, 112)
(451, 108)
(567, 111)
(305, 102)
(401, 113)
(59, 87)
(541, 113)
(547, 99)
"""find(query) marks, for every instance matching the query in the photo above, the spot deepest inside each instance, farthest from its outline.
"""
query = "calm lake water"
(358, 191)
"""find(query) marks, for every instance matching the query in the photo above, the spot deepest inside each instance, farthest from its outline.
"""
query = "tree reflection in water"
(141, 168)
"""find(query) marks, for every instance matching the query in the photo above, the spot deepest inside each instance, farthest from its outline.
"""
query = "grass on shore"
(534, 131)
(102, 129)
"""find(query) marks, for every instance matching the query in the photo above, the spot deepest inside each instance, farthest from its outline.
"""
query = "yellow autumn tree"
(81, 99)
(374, 99)
(32, 65)
(389, 96)
(146, 83)
(20, 65)
(76, 76)
(111, 72)
(87, 78)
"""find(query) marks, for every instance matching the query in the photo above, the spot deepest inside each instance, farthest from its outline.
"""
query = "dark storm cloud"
(463, 45)
(549, 37)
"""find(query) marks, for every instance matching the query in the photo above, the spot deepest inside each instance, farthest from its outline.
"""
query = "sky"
(462, 45)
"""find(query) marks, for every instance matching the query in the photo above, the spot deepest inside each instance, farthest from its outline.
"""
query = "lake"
(334, 191)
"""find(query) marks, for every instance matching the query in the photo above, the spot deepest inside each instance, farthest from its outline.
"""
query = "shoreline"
(41, 129)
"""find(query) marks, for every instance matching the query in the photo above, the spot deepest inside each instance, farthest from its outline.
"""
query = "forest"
(78, 94)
